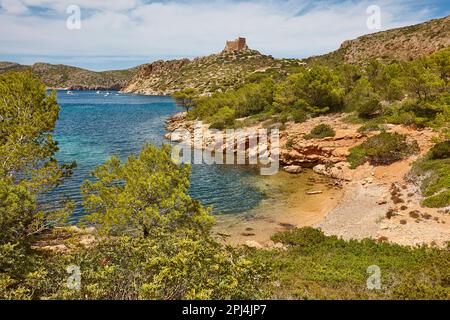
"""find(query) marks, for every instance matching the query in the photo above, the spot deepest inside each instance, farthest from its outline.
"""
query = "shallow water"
(92, 127)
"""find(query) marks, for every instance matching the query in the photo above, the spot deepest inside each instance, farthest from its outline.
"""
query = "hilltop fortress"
(236, 45)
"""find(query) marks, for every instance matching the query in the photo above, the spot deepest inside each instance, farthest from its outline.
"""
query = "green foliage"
(316, 266)
(382, 149)
(421, 80)
(369, 127)
(300, 238)
(360, 93)
(316, 91)
(248, 100)
(23, 275)
(439, 200)
(299, 116)
(223, 118)
(369, 109)
(440, 150)
(167, 267)
(320, 131)
(185, 98)
(28, 168)
(386, 80)
(434, 172)
(289, 143)
(143, 196)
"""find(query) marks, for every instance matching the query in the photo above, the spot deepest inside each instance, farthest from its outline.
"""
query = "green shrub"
(299, 116)
(315, 266)
(434, 172)
(440, 200)
(303, 237)
(369, 127)
(217, 125)
(223, 118)
(321, 131)
(382, 149)
(369, 109)
(440, 150)
(289, 143)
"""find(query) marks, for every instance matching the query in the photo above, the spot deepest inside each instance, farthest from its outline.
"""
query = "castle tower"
(236, 45)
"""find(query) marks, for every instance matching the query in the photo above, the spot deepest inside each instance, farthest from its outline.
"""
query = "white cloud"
(15, 7)
(163, 29)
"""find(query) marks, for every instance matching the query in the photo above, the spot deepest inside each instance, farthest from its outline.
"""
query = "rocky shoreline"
(366, 207)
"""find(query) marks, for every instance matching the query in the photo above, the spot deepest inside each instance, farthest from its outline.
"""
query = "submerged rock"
(293, 169)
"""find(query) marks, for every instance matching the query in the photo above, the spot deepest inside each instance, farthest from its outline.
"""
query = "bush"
(370, 109)
(369, 127)
(223, 118)
(440, 200)
(217, 125)
(434, 172)
(382, 149)
(170, 267)
(289, 143)
(299, 116)
(440, 150)
(300, 237)
(315, 266)
(321, 131)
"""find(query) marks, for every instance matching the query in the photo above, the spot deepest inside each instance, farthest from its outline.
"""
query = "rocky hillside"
(73, 78)
(405, 43)
(206, 74)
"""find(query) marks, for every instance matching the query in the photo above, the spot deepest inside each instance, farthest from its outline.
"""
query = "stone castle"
(236, 45)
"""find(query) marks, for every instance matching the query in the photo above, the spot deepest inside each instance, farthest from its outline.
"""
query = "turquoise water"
(92, 127)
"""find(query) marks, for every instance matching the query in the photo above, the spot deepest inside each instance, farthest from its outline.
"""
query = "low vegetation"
(382, 149)
(433, 170)
(320, 131)
(316, 266)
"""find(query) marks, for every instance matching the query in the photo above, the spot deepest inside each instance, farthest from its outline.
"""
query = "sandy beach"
(287, 205)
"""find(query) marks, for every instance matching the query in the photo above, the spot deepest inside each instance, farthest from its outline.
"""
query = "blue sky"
(117, 34)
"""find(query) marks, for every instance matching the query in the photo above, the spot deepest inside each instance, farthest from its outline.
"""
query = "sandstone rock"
(320, 169)
(253, 244)
(293, 169)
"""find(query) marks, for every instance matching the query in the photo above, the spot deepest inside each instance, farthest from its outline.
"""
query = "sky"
(118, 34)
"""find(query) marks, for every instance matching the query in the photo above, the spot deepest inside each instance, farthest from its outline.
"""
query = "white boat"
(70, 93)
(98, 92)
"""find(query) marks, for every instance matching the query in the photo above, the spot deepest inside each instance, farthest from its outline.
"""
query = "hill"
(73, 78)
(406, 43)
(209, 74)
